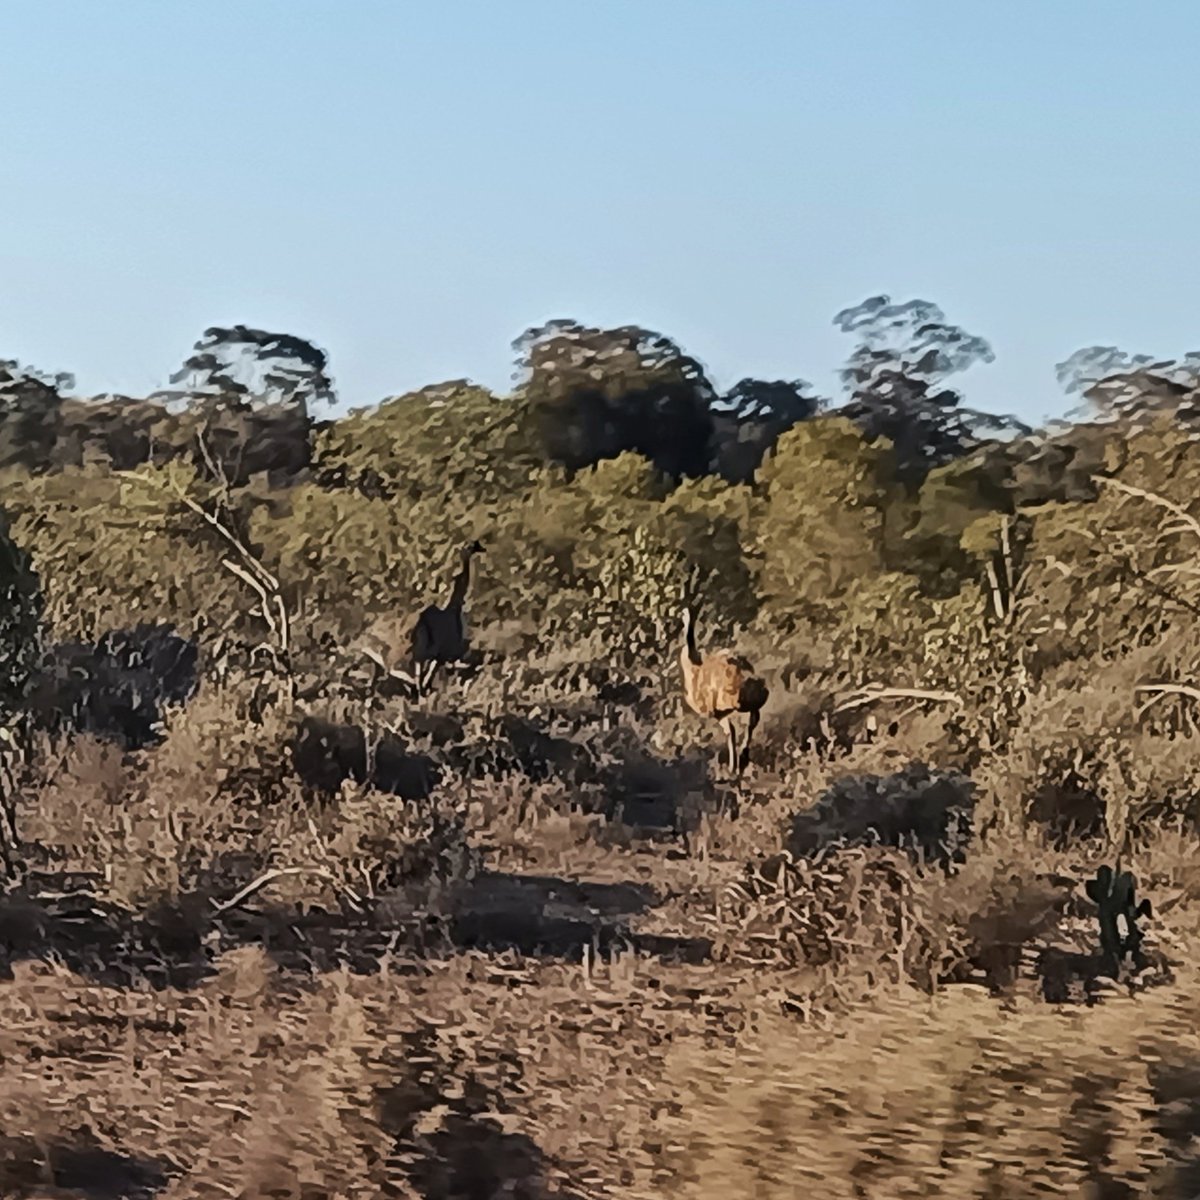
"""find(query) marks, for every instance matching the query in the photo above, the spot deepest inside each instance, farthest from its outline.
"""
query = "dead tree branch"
(269, 877)
(245, 566)
(875, 693)
(1157, 691)
(1184, 521)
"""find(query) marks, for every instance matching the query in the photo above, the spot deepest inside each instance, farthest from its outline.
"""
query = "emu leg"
(425, 675)
(751, 726)
(731, 735)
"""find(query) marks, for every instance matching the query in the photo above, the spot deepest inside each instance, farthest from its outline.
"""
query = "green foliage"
(948, 619)
(457, 443)
(277, 369)
(826, 550)
(596, 393)
(1114, 894)
(638, 587)
(881, 620)
(608, 571)
(1118, 572)
(715, 524)
(825, 518)
(750, 418)
(340, 555)
(627, 478)
(111, 551)
(116, 432)
(1114, 382)
(30, 412)
(20, 617)
(904, 354)
(625, 546)
(958, 513)
(232, 439)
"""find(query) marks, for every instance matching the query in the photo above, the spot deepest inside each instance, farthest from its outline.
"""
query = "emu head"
(688, 621)
(691, 594)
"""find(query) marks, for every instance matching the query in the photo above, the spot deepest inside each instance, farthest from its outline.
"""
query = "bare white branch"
(269, 877)
(874, 693)
(1157, 691)
(1184, 519)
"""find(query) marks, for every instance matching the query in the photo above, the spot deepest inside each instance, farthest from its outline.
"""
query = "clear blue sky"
(411, 185)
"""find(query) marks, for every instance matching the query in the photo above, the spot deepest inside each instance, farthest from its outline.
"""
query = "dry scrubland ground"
(521, 939)
(554, 1002)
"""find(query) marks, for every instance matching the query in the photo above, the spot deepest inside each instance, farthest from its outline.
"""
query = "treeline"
(584, 395)
(587, 394)
(892, 533)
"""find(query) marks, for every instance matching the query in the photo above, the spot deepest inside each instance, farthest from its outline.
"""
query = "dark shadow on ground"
(1068, 975)
(472, 1158)
(1174, 1073)
(919, 809)
(325, 755)
(643, 796)
(541, 755)
(82, 1166)
(516, 746)
(540, 915)
(468, 1155)
(175, 944)
(116, 688)
(1066, 806)
(646, 796)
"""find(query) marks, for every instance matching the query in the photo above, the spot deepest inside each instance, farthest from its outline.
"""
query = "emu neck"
(461, 582)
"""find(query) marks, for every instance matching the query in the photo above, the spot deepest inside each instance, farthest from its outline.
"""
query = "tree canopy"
(30, 413)
(750, 417)
(255, 365)
(1115, 383)
(896, 376)
(599, 392)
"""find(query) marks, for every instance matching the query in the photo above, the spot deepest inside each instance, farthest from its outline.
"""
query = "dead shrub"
(925, 811)
(854, 912)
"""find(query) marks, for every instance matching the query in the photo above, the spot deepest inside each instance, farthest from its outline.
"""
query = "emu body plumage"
(723, 686)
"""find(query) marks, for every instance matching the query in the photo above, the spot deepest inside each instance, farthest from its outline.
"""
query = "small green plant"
(1114, 894)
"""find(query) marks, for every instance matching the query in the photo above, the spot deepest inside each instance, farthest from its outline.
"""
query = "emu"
(722, 685)
(436, 638)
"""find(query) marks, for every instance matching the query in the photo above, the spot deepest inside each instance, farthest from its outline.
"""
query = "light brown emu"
(722, 685)
(437, 637)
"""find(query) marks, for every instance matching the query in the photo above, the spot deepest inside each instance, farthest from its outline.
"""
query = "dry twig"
(1157, 691)
(268, 877)
(873, 693)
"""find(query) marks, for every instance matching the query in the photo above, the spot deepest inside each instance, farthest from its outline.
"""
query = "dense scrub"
(274, 926)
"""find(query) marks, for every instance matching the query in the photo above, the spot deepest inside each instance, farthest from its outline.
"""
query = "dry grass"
(950, 1095)
(295, 934)
(571, 964)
